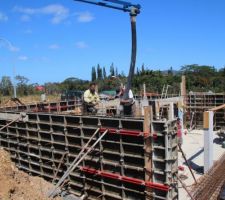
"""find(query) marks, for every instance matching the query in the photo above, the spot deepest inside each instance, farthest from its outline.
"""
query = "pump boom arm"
(134, 10)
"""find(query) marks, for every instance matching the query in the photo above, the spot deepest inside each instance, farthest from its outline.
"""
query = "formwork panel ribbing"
(115, 169)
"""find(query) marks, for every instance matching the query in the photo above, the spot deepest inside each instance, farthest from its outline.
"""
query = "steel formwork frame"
(58, 106)
(47, 143)
(197, 103)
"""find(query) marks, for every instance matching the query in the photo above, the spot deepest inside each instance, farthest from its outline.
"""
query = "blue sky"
(52, 40)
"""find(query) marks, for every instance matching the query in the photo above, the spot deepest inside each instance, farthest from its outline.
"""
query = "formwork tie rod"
(20, 117)
(56, 173)
(78, 160)
(189, 167)
(185, 188)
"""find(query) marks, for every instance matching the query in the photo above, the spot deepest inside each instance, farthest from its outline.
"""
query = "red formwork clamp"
(133, 180)
(110, 175)
(122, 132)
(110, 130)
(157, 186)
(181, 168)
(89, 170)
(154, 136)
(126, 179)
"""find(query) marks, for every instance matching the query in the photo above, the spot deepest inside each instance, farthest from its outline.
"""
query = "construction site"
(158, 146)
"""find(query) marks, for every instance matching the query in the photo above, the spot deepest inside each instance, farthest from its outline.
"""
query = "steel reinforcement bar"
(209, 186)
(46, 144)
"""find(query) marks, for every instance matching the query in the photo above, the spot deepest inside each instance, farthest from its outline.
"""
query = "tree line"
(99, 73)
(199, 78)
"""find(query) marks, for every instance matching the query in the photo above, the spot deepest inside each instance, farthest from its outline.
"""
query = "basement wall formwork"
(126, 164)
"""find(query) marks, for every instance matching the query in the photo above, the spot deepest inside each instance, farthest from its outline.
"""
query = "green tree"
(6, 86)
(143, 68)
(104, 73)
(112, 70)
(73, 83)
(22, 87)
(116, 72)
(170, 71)
(99, 72)
(137, 71)
(93, 74)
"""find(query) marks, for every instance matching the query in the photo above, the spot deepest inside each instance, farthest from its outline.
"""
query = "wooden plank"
(206, 120)
(148, 146)
(217, 108)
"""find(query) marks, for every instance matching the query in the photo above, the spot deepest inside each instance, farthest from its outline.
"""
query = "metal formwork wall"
(115, 169)
(59, 106)
(197, 103)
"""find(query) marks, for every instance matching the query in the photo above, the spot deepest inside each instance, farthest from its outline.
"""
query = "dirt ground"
(17, 185)
(6, 101)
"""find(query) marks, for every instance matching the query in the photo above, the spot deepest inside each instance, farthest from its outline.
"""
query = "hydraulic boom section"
(134, 10)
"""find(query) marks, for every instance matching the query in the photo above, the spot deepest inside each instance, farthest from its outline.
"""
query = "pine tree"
(104, 73)
(116, 71)
(137, 72)
(112, 70)
(143, 69)
(170, 71)
(99, 72)
(93, 74)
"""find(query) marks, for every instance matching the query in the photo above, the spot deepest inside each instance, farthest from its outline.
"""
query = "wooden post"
(183, 86)
(183, 89)
(171, 111)
(144, 91)
(157, 108)
(148, 146)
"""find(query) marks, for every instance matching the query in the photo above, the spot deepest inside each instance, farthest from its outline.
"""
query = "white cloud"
(3, 17)
(81, 45)
(54, 46)
(58, 12)
(7, 44)
(84, 17)
(23, 58)
(25, 18)
(14, 48)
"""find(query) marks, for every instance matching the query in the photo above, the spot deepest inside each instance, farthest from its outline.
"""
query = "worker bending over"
(91, 99)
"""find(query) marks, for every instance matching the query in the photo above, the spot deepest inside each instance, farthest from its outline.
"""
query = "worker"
(126, 105)
(91, 99)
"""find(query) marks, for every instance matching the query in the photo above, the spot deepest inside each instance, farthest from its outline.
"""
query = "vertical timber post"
(144, 91)
(157, 108)
(182, 102)
(148, 148)
(171, 111)
(208, 139)
(183, 87)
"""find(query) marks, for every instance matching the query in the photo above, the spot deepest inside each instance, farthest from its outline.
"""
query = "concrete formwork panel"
(115, 169)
